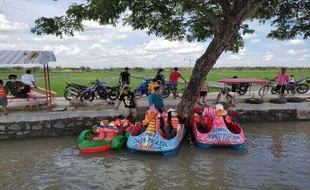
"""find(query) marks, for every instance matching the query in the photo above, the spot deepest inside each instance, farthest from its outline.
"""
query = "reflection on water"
(276, 156)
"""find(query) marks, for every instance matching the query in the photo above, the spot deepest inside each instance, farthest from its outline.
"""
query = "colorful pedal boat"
(155, 143)
(219, 134)
(87, 146)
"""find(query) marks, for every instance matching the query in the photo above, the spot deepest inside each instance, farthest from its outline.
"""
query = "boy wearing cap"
(130, 102)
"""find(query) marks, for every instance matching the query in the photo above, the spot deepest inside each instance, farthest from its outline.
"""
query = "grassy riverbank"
(58, 78)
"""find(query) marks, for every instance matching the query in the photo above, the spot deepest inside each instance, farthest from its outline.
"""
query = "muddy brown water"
(276, 156)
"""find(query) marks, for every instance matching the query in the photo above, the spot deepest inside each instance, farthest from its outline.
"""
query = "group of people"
(17, 88)
(108, 129)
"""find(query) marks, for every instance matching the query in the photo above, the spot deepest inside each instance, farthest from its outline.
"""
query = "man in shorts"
(173, 81)
(130, 102)
(124, 77)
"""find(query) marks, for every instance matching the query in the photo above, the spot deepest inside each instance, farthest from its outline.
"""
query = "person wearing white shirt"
(28, 79)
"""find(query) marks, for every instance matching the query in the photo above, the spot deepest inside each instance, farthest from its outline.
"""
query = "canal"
(276, 156)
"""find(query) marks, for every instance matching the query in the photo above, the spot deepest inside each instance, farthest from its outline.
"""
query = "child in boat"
(171, 122)
(3, 98)
(106, 132)
(123, 125)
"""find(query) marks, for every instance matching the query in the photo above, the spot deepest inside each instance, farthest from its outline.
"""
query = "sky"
(108, 46)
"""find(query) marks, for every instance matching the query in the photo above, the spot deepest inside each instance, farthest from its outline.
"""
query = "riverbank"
(53, 124)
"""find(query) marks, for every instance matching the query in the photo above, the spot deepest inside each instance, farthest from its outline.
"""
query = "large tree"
(224, 21)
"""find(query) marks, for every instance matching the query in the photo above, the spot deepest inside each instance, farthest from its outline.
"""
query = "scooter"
(142, 88)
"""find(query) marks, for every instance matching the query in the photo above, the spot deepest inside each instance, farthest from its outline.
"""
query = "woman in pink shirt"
(282, 80)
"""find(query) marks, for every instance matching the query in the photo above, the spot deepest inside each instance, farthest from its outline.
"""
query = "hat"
(219, 110)
(121, 116)
(170, 110)
(12, 75)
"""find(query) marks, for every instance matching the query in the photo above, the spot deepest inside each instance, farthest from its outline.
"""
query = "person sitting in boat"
(203, 118)
(149, 123)
(171, 121)
(106, 131)
(225, 98)
(222, 112)
(123, 125)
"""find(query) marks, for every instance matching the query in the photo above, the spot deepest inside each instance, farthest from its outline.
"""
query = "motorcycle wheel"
(242, 91)
(114, 95)
(302, 88)
(69, 94)
(166, 93)
(87, 96)
(138, 93)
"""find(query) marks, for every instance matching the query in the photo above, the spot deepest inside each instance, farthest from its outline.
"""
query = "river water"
(276, 156)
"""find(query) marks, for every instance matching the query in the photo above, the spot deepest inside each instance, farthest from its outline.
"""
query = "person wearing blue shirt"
(157, 99)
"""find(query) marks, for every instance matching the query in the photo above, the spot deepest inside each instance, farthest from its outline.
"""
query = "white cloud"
(7, 26)
(268, 56)
(95, 46)
(235, 57)
(255, 41)
(293, 52)
(301, 59)
(295, 42)
(306, 56)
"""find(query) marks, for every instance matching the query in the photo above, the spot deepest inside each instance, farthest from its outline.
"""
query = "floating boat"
(220, 130)
(152, 139)
(88, 146)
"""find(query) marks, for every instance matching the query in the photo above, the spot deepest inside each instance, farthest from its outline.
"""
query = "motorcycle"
(300, 85)
(142, 88)
(102, 90)
(73, 90)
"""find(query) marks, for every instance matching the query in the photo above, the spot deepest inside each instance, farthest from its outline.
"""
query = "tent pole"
(45, 82)
(49, 86)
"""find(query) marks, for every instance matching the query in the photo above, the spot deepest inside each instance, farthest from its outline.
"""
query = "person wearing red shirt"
(174, 79)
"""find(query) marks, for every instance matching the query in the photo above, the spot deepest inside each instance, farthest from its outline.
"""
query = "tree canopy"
(223, 21)
(191, 20)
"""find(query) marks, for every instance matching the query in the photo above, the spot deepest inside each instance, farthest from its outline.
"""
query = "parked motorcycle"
(73, 90)
(300, 85)
(142, 89)
(102, 90)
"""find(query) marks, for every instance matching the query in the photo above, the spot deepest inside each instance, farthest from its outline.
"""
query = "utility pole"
(190, 64)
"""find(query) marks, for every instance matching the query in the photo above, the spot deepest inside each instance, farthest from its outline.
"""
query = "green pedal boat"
(88, 146)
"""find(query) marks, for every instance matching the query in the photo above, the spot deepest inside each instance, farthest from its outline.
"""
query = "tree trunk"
(200, 71)
(242, 10)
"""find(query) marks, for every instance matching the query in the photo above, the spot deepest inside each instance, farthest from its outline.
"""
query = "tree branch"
(208, 14)
(225, 4)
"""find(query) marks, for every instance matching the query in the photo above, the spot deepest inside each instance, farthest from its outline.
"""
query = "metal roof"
(12, 57)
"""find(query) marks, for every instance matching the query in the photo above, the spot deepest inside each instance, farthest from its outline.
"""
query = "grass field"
(58, 79)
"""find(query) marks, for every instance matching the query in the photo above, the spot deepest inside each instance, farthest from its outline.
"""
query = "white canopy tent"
(21, 57)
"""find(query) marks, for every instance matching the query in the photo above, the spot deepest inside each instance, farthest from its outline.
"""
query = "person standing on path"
(124, 77)
(204, 91)
(160, 77)
(130, 102)
(173, 80)
(3, 98)
(28, 79)
(157, 99)
(282, 80)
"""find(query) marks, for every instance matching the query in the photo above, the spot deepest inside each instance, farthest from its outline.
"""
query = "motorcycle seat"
(77, 85)
(115, 86)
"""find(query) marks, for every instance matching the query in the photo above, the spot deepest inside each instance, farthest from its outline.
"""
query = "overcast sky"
(107, 46)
